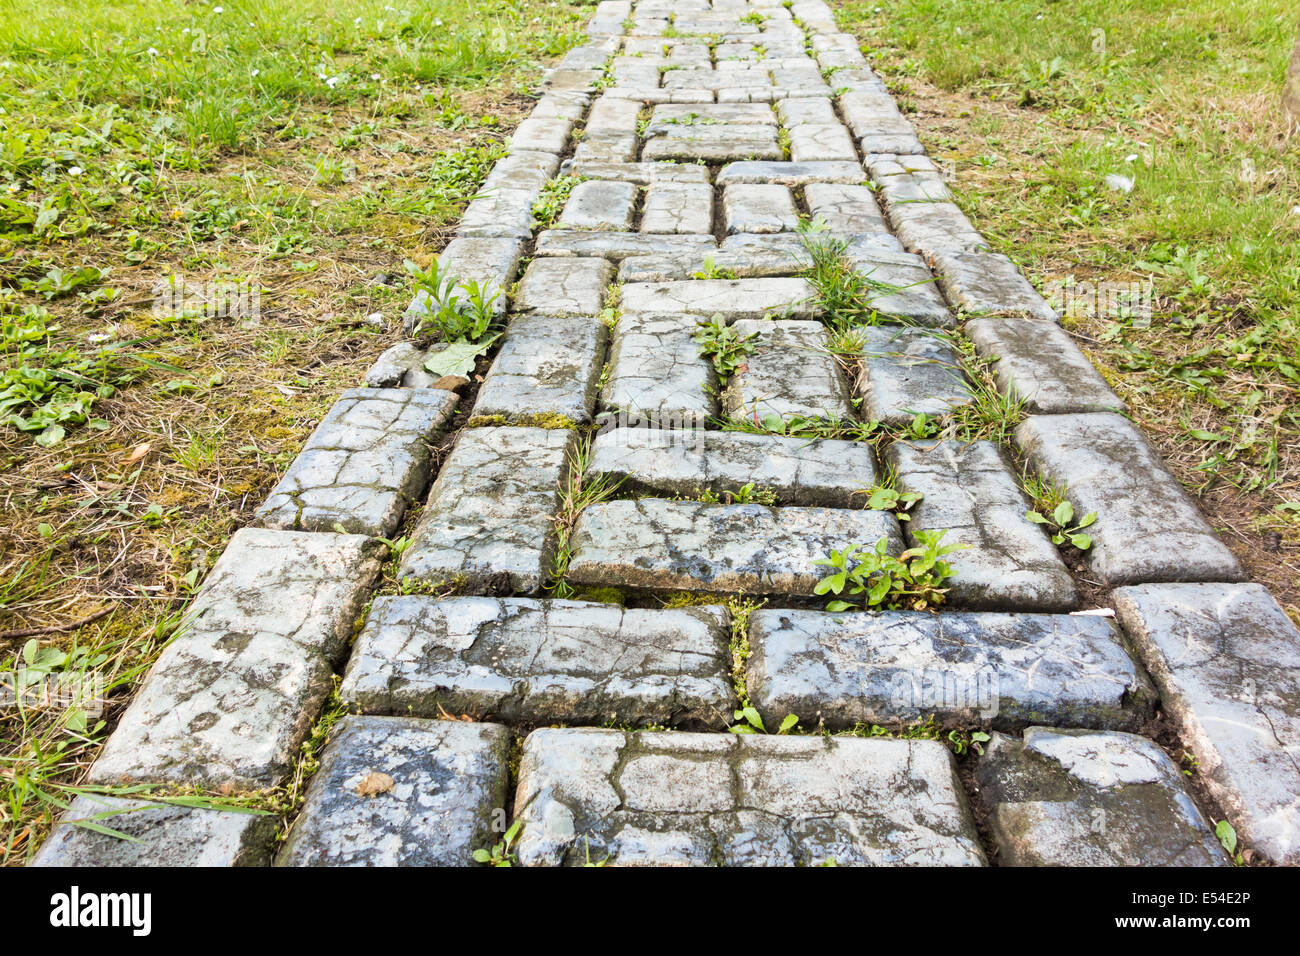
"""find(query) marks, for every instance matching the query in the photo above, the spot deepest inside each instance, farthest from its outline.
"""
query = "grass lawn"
(295, 150)
(1033, 104)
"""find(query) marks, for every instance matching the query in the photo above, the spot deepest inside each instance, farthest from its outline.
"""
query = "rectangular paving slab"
(659, 545)
(158, 834)
(617, 246)
(791, 174)
(971, 493)
(1147, 528)
(394, 791)
(822, 472)
(908, 372)
(1038, 363)
(987, 283)
(564, 286)
(519, 659)
(488, 523)
(598, 204)
(1226, 659)
(789, 374)
(962, 667)
(658, 375)
(730, 298)
(722, 799)
(229, 701)
(365, 462)
(758, 208)
(1083, 798)
(678, 208)
(845, 210)
(547, 366)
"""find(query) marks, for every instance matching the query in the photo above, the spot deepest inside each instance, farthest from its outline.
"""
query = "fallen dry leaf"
(451, 382)
(374, 784)
(138, 452)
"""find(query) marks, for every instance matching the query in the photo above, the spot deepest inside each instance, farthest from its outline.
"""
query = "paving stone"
(759, 208)
(678, 208)
(963, 668)
(630, 72)
(519, 659)
(971, 493)
(821, 143)
(575, 79)
(564, 286)
(806, 109)
(986, 283)
(845, 210)
(719, 80)
(490, 262)
(401, 365)
(542, 135)
(659, 376)
(658, 545)
(229, 701)
(617, 246)
(161, 835)
(1037, 362)
(1147, 528)
(367, 459)
(655, 95)
(927, 227)
(613, 114)
(790, 373)
(904, 289)
(488, 521)
(714, 143)
(907, 372)
(392, 791)
(791, 174)
(571, 105)
(643, 174)
(708, 799)
(547, 366)
(740, 264)
(598, 204)
(1226, 659)
(731, 298)
(823, 472)
(1083, 798)
(503, 207)
(671, 118)
(589, 56)
(597, 146)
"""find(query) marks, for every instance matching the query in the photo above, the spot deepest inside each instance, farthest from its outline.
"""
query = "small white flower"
(75, 170)
(96, 337)
(255, 72)
(333, 81)
(218, 9)
(374, 76)
(151, 51)
(1131, 158)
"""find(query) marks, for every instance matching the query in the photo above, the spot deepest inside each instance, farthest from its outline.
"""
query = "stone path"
(699, 135)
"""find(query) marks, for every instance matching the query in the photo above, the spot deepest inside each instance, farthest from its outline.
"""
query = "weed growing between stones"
(961, 740)
(551, 202)
(577, 491)
(991, 415)
(725, 346)
(914, 580)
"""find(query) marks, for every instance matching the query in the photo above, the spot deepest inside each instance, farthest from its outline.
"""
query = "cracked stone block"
(907, 372)
(867, 111)
(915, 187)
(789, 373)
(394, 791)
(1038, 363)
(740, 263)
(671, 118)
(601, 205)
(986, 283)
(927, 227)
(900, 143)
(791, 174)
(560, 286)
(542, 135)
(827, 473)
(823, 142)
(547, 366)
(617, 246)
(659, 375)
(519, 659)
(678, 208)
(643, 174)
(1010, 564)
(365, 462)
(503, 207)
(1148, 529)
(401, 366)
(806, 109)
(228, 703)
(846, 210)
(731, 298)
(488, 523)
(964, 668)
(1226, 659)
(597, 146)
(719, 81)
(160, 835)
(614, 114)
(759, 208)
(725, 799)
(630, 72)
(569, 104)
(589, 56)
(1083, 798)
(659, 545)
(714, 143)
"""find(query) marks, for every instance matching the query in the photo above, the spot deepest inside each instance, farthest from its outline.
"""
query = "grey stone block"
(908, 371)
(616, 246)
(547, 366)
(365, 462)
(564, 286)
(678, 208)
(1147, 528)
(599, 204)
(845, 210)
(1082, 798)
(759, 208)
(519, 659)
(731, 298)
(963, 668)
(658, 545)
(393, 791)
(822, 142)
(791, 174)
(789, 373)
(707, 799)
(1038, 363)
(986, 283)
(1226, 659)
